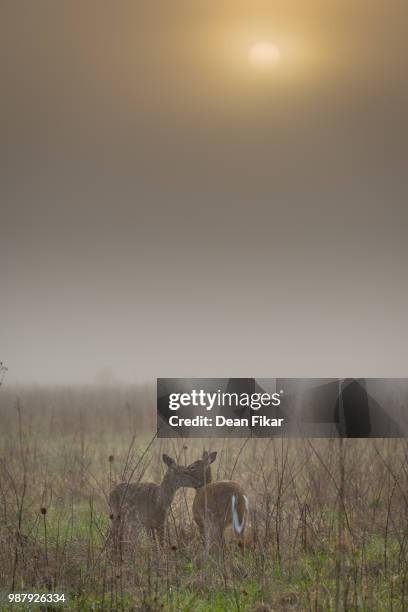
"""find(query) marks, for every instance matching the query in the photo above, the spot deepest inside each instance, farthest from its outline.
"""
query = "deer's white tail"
(239, 508)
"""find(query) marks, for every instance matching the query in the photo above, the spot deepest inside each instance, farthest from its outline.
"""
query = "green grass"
(68, 473)
(311, 584)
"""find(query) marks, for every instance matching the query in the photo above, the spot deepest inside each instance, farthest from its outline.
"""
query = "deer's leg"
(206, 535)
(210, 536)
(201, 526)
(215, 538)
(157, 536)
(203, 536)
(114, 527)
(221, 539)
(161, 534)
(117, 529)
(152, 533)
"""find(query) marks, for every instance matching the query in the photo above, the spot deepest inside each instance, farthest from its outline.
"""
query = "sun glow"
(264, 55)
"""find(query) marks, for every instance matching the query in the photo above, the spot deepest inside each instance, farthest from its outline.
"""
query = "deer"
(147, 504)
(218, 505)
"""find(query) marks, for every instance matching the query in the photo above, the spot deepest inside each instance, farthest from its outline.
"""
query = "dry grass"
(328, 525)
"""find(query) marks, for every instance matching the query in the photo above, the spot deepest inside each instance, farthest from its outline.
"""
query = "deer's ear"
(205, 455)
(168, 460)
(212, 457)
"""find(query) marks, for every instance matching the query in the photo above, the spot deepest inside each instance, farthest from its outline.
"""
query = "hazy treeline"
(63, 410)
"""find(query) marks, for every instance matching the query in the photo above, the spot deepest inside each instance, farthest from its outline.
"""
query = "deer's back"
(137, 502)
(214, 501)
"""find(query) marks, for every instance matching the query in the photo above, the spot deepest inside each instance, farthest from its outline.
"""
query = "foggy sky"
(167, 211)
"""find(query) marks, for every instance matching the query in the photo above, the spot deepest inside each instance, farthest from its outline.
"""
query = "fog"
(166, 211)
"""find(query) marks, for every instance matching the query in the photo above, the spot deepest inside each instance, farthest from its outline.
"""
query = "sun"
(264, 55)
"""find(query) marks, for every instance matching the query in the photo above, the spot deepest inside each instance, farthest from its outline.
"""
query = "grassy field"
(328, 519)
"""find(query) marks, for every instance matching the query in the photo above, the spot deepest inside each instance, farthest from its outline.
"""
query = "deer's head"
(200, 470)
(196, 475)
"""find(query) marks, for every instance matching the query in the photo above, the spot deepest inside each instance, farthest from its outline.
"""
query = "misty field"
(327, 528)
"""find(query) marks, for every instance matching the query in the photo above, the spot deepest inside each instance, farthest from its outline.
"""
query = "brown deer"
(218, 504)
(146, 503)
